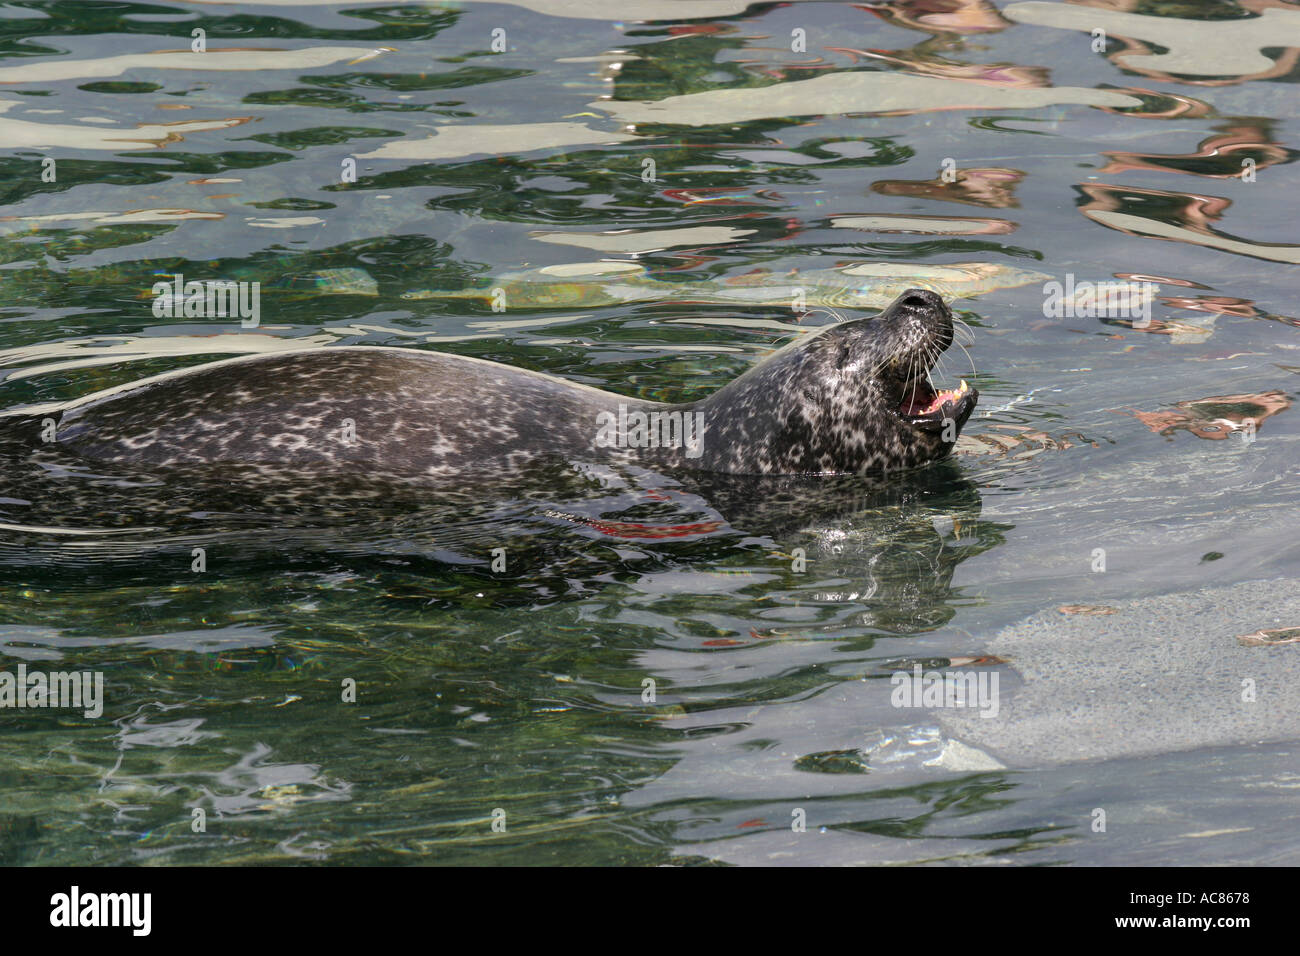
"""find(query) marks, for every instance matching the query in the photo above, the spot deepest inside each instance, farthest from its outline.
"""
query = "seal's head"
(853, 398)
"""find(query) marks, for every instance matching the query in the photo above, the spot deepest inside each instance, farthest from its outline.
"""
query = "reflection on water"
(856, 285)
(1218, 416)
(669, 667)
(852, 92)
(1222, 46)
(19, 132)
(209, 59)
(1238, 146)
(1180, 217)
(975, 187)
(942, 16)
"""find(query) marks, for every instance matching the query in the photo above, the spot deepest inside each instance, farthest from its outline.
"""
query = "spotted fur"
(827, 403)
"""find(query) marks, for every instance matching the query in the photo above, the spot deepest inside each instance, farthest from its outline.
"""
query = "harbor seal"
(852, 398)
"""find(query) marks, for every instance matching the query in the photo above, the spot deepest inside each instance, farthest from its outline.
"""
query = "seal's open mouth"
(922, 401)
(924, 406)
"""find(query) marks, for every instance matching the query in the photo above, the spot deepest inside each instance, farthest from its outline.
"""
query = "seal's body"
(852, 398)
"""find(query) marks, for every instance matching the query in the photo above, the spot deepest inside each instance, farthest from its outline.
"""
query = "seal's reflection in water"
(885, 544)
(889, 541)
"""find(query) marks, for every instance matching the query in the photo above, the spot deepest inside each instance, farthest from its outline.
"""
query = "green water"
(615, 697)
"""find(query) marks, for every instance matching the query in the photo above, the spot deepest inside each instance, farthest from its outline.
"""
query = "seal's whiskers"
(960, 323)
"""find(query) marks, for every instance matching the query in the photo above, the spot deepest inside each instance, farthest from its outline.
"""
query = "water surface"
(792, 138)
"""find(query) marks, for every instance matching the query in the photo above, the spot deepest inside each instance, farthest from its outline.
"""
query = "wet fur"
(825, 404)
